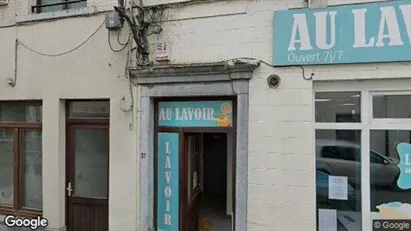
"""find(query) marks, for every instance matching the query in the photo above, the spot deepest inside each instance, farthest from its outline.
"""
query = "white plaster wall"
(93, 71)
(281, 179)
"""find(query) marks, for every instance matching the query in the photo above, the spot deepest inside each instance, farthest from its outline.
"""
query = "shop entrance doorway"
(194, 168)
(215, 182)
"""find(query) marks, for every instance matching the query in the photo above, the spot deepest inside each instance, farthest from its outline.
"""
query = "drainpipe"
(12, 81)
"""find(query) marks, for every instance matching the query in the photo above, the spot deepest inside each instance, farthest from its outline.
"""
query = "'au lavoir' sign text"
(375, 32)
(195, 114)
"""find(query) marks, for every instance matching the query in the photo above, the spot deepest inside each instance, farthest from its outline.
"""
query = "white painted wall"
(93, 71)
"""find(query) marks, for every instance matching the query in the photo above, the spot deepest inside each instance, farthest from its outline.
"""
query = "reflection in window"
(28, 114)
(342, 107)
(91, 163)
(6, 168)
(392, 106)
(89, 109)
(32, 192)
(388, 201)
(339, 156)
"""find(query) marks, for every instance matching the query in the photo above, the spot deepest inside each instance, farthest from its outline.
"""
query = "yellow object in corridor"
(206, 225)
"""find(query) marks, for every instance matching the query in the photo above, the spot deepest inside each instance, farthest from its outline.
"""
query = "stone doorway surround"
(192, 80)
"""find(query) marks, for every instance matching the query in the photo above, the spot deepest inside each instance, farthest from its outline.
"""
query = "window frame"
(18, 128)
(368, 89)
(37, 7)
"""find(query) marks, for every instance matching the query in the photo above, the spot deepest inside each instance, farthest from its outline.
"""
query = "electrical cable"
(111, 47)
(67, 52)
(118, 38)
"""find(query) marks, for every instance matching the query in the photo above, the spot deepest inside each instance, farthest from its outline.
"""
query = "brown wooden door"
(87, 177)
(191, 180)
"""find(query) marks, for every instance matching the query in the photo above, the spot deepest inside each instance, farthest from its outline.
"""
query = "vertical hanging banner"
(196, 114)
(168, 181)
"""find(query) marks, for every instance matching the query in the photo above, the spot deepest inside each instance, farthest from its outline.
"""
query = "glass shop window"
(337, 107)
(338, 162)
(390, 160)
(391, 106)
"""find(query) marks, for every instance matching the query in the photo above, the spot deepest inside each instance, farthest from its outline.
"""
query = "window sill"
(33, 17)
(20, 213)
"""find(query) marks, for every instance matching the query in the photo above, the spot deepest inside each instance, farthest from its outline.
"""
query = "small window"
(391, 106)
(20, 113)
(340, 107)
(89, 109)
(57, 5)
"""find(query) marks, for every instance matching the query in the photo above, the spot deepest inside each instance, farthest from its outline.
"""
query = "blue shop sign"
(361, 33)
(195, 114)
(168, 182)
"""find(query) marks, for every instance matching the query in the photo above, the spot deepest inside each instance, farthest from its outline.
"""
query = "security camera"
(273, 81)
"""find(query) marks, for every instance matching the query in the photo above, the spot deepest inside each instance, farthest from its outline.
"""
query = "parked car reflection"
(342, 158)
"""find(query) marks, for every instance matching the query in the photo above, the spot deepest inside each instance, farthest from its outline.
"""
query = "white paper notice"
(327, 220)
(337, 188)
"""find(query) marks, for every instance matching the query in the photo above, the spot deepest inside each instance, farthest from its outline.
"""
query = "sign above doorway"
(195, 114)
(360, 33)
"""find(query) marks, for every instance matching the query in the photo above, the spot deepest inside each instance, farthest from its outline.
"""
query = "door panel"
(91, 163)
(87, 183)
(192, 180)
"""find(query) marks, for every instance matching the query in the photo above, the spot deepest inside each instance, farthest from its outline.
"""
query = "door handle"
(69, 189)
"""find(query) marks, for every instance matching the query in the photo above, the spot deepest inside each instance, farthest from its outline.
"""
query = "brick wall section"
(281, 162)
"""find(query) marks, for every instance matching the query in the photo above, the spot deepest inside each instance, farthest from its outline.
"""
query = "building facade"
(246, 115)
(63, 80)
